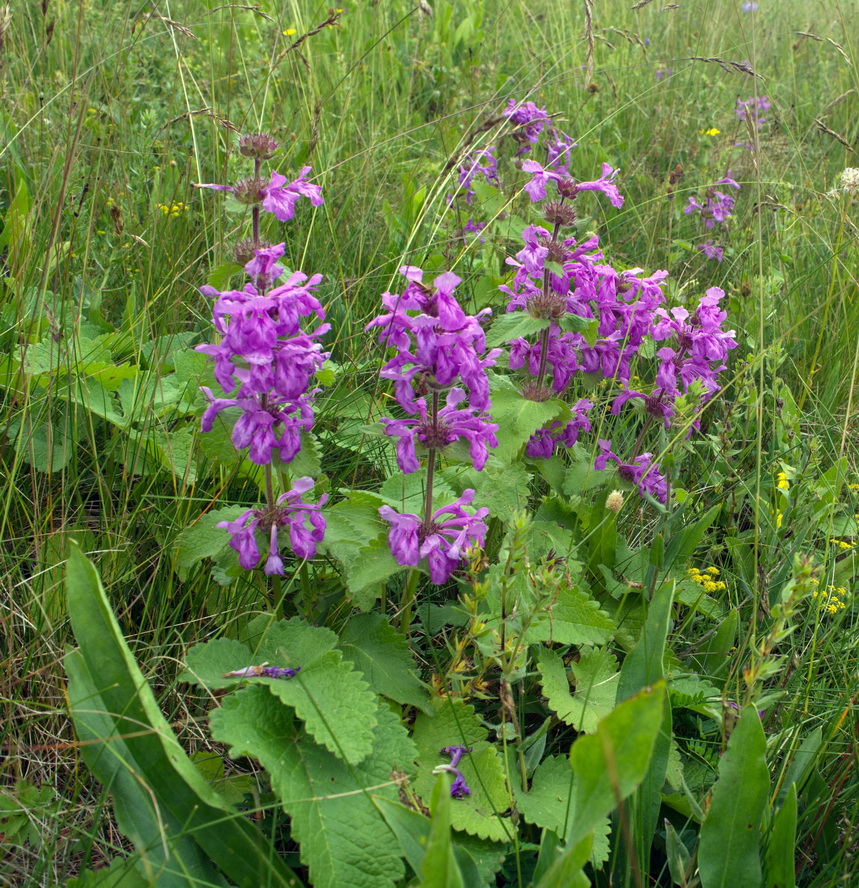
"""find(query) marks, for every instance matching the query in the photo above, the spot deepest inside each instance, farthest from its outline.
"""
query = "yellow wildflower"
(709, 132)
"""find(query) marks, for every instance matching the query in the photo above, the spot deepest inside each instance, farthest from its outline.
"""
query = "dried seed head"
(245, 249)
(556, 212)
(547, 305)
(249, 191)
(533, 392)
(259, 145)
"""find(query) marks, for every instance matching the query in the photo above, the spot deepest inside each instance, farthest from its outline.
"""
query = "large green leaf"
(384, 657)
(575, 618)
(781, 848)
(729, 848)
(113, 702)
(332, 699)
(611, 763)
(344, 838)
(596, 680)
(518, 419)
(566, 872)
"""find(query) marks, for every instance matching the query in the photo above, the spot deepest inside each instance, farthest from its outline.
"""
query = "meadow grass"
(111, 112)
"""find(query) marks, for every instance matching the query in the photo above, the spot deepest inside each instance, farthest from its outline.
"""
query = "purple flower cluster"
(444, 542)
(479, 163)
(530, 122)
(599, 319)
(753, 109)
(459, 788)
(266, 359)
(304, 520)
(717, 208)
(439, 349)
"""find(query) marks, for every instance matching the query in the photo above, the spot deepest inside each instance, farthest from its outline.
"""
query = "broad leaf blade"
(729, 848)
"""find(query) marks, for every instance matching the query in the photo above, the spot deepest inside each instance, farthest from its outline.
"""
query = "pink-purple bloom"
(276, 196)
(450, 425)
(305, 522)
(642, 471)
(718, 207)
(444, 541)
(536, 187)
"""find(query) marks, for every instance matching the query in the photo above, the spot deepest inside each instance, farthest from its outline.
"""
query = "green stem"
(408, 600)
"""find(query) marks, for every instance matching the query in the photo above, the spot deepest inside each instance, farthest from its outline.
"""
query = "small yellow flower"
(710, 132)
(713, 570)
(289, 32)
(710, 586)
(783, 483)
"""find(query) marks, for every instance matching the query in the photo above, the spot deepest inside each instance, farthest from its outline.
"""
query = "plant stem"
(408, 600)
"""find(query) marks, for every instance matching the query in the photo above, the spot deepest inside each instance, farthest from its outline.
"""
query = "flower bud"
(258, 145)
(556, 212)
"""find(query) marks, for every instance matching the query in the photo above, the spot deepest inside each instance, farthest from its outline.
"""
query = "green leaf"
(515, 325)
(154, 783)
(439, 868)
(384, 657)
(781, 849)
(575, 618)
(366, 570)
(729, 848)
(203, 539)
(455, 724)
(219, 275)
(643, 665)
(566, 872)
(332, 699)
(610, 764)
(502, 490)
(681, 547)
(596, 679)
(518, 419)
(547, 805)
(343, 837)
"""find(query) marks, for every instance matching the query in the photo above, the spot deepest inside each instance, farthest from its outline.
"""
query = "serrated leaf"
(407, 493)
(547, 804)
(596, 679)
(308, 460)
(384, 657)
(575, 618)
(518, 419)
(327, 694)
(502, 490)
(514, 325)
(366, 569)
(344, 839)
(203, 539)
(455, 724)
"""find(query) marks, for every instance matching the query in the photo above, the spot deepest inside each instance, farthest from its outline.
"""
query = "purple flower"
(459, 788)
(305, 522)
(750, 6)
(480, 162)
(265, 430)
(263, 268)
(718, 207)
(642, 472)
(530, 120)
(558, 151)
(752, 109)
(451, 425)
(711, 250)
(443, 543)
(281, 199)
(436, 347)
(275, 196)
(543, 442)
(536, 188)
